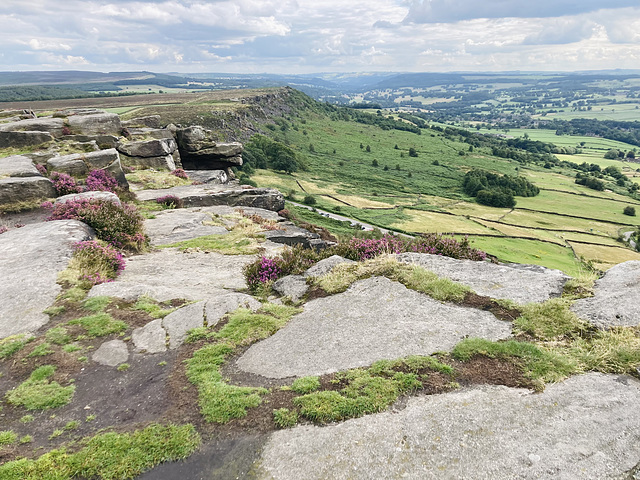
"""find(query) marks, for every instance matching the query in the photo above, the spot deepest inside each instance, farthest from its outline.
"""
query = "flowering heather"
(42, 169)
(64, 183)
(3, 229)
(180, 173)
(119, 225)
(101, 180)
(261, 272)
(170, 201)
(96, 263)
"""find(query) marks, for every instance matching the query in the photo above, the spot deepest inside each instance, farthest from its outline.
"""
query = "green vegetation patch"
(550, 320)
(151, 179)
(7, 437)
(305, 385)
(220, 402)
(58, 336)
(39, 393)
(153, 308)
(96, 304)
(100, 324)
(41, 350)
(109, 456)
(239, 241)
(368, 390)
(285, 418)
(412, 276)
(13, 344)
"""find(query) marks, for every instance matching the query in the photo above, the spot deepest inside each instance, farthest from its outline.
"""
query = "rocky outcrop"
(95, 124)
(150, 121)
(160, 154)
(200, 151)
(24, 139)
(615, 302)
(25, 189)
(92, 195)
(53, 126)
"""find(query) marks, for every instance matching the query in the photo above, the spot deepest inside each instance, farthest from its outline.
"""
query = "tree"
(309, 200)
(629, 210)
(368, 149)
(311, 148)
(611, 154)
(374, 163)
(413, 152)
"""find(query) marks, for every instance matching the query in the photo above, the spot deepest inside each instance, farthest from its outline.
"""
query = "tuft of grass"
(90, 418)
(110, 455)
(27, 419)
(100, 324)
(53, 311)
(72, 347)
(581, 285)
(537, 363)
(245, 327)
(123, 367)
(26, 439)
(56, 433)
(196, 334)
(39, 393)
(285, 418)
(96, 304)
(13, 344)
(239, 241)
(41, 350)
(305, 385)
(411, 276)
(151, 179)
(7, 437)
(551, 320)
(72, 425)
(73, 294)
(58, 336)
(152, 307)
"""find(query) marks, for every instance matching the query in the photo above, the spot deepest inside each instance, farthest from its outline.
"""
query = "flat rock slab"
(518, 283)
(374, 319)
(151, 338)
(617, 298)
(172, 226)
(584, 428)
(211, 194)
(111, 353)
(292, 286)
(30, 259)
(190, 275)
(325, 266)
(132, 291)
(18, 166)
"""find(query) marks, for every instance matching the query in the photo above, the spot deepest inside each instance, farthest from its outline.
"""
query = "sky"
(311, 36)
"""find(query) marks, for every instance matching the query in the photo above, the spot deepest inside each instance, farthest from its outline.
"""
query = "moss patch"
(39, 393)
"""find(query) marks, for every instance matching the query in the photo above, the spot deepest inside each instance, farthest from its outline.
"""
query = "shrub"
(96, 263)
(42, 169)
(629, 210)
(3, 229)
(64, 184)
(102, 181)
(309, 200)
(180, 173)
(261, 272)
(119, 225)
(170, 201)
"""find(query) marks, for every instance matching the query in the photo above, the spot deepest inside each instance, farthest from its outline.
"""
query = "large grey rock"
(132, 291)
(50, 125)
(145, 133)
(151, 338)
(199, 150)
(111, 353)
(617, 298)
(191, 275)
(583, 428)
(80, 164)
(148, 148)
(208, 176)
(30, 259)
(325, 266)
(9, 139)
(92, 195)
(210, 195)
(165, 162)
(73, 165)
(292, 286)
(374, 319)
(170, 226)
(24, 189)
(220, 305)
(18, 166)
(290, 234)
(95, 124)
(178, 323)
(103, 141)
(519, 283)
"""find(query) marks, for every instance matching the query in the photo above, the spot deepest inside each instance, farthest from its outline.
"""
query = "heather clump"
(64, 184)
(261, 273)
(170, 201)
(95, 262)
(118, 225)
(102, 181)
(180, 173)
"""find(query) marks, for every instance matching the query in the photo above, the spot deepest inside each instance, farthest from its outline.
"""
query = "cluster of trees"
(262, 152)
(38, 92)
(589, 181)
(497, 190)
(614, 154)
(627, 132)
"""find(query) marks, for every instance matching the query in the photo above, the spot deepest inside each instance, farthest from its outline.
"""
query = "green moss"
(12, 345)
(149, 305)
(236, 242)
(39, 393)
(109, 456)
(53, 311)
(96, 304)
(245, 327)
(41, 350)
(7, 437)
(58, 336)
(550, 320)
(285, 418)
(100, 324)
(73, 347)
